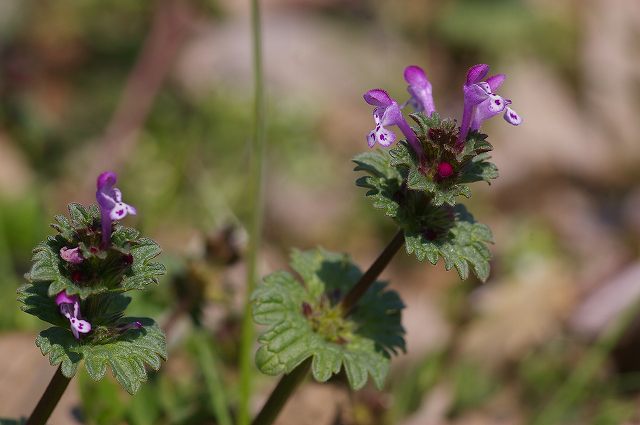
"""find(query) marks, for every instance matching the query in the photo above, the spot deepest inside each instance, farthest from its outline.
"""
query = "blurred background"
(161, 92)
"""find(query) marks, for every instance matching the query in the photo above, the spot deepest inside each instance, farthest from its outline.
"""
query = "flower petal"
(484, 86)
(63, 298)
(496, 103)
(80, 325)
(477, 73)
(117, 195)
(371, 139)
(474, 94)
(512, 116)
(106, 180)
(495, 81)
(120, 211)
(378, 97)
(71, 255)
(386, 137)
(392, 115)
(492, 106)
(415, 76)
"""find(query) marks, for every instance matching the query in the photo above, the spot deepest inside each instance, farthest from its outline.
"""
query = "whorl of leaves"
(424, 204)
(100, 281)
(304, 320)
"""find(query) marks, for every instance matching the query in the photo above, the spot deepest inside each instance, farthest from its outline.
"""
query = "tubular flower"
(110, 202)
(387, 113)
(70, 308)
(420, 90)
(481, 102)
(71, 255)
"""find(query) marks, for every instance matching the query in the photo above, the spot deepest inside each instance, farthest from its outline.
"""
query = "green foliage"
(126, 265)
(438, 138)
(424, 205)
(304, 320)
(126, 353)
(461, 243)
(122, 344)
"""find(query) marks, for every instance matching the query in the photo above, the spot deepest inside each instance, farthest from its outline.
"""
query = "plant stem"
(209, 363)
(49, 399)
(372, 274)
(256, 201)
(288, 383)
(281, 393)
(578, 383)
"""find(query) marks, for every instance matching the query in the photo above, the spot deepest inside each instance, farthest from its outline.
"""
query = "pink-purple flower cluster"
(480, 104)
(111, 208)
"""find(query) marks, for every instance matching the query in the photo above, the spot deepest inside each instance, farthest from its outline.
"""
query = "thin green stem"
(209, 364)
(288, 383)
(281, 393)
(49, 399)
(256, 201)
(578, 383)
(372, 274)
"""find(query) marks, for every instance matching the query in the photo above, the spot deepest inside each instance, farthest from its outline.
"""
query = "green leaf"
(36, 301)
(461, 244)
(375, 163)
(409, 189)
(384, 181)
(105, 309)
(127, 354)
(104, 271)
(304, 320)
(144, 272)
(441, 193)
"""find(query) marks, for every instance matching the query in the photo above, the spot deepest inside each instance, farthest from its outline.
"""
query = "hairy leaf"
(304, 320)
(127, 354)
(461, 243)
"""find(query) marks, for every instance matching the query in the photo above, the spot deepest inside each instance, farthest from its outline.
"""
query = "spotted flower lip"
(388, 113)
(110, 202)
(69, 306)
(481, 102)
(420, 90)
(71, 255)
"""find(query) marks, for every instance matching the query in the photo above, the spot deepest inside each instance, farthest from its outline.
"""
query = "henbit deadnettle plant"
(332, 317)
(77, 283)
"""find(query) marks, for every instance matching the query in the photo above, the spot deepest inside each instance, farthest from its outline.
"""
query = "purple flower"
(387, 113)
(110, 202)
(70, 308)
(71, 255)
(481, 102)
(420, 90)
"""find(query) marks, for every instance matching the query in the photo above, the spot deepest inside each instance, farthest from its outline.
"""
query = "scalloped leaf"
(80, 217)
(36, 301)
(383, 182)
(442, 193)
(47, 266)
(127, 355)
(144, 272)
(463, 245)
(364, 341)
